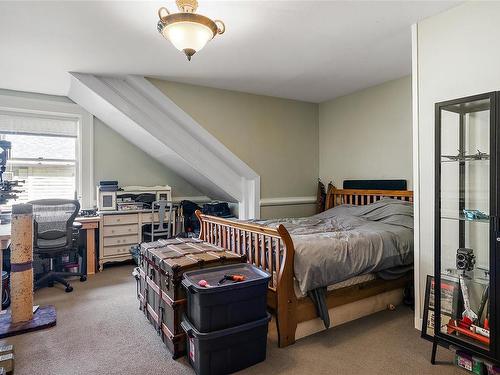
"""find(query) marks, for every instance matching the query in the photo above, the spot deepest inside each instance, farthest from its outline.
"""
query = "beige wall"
(278, 138)
(117, 159)
(457, 57)
(300, 210)
(368, 134)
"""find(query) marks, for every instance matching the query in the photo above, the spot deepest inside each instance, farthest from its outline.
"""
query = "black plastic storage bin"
(229, 304)
(228, 350)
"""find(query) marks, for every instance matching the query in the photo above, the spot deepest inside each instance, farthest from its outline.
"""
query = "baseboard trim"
(418, 323)
(287, 201)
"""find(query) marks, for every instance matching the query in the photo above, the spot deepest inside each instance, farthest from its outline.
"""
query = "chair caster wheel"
(83, 278)
(68, 289)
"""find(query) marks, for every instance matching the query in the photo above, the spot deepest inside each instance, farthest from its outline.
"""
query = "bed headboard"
(375, 184)
(361, 197)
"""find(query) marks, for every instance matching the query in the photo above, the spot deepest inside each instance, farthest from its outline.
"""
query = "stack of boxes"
(226, 319)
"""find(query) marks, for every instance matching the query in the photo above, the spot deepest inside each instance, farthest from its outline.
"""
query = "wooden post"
(21, 278)
(286, 301)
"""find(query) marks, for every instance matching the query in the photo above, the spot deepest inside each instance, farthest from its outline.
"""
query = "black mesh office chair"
(55, 233)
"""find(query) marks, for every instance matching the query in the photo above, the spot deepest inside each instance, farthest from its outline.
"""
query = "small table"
(89, 224)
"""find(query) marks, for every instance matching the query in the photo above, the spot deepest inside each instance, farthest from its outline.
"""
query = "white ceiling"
(306, 50)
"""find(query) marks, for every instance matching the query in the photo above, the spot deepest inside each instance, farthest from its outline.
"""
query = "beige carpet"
(100, 330)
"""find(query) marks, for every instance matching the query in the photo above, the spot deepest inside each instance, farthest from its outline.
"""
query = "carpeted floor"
(100, 330)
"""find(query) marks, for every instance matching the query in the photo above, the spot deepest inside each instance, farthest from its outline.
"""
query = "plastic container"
(491, 368)
(469, 362)
(227, 305)
(135, 251)
(229, 350)
(71, 267)
(5, 290)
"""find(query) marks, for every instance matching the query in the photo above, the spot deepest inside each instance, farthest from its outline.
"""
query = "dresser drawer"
(146, 217)
(121, 219)
(116, 250)
(121, 240)
(120, 230)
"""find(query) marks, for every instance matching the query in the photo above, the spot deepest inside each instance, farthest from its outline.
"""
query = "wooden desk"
(4, 236)
(90, 224)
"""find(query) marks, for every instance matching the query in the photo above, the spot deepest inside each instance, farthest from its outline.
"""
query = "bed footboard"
(270, 249)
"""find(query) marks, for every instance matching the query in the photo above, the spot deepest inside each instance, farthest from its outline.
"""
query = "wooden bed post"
(330, 197)
(202, 232)
(286, 301)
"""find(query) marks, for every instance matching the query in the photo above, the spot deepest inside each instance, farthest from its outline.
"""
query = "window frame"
(61, 107)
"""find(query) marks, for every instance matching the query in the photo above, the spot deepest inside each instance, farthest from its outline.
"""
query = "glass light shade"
(188, 35)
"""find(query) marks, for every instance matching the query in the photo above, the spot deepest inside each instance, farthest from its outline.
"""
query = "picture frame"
(450, 290)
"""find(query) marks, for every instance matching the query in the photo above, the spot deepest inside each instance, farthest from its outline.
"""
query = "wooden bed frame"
(262, 247)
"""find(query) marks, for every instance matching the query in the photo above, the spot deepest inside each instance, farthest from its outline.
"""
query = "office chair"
(164, 228)
(55, 232)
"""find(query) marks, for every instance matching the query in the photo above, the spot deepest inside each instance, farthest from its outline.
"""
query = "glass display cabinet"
(467, 233)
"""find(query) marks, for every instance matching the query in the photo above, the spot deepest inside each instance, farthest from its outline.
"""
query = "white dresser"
(122, 229)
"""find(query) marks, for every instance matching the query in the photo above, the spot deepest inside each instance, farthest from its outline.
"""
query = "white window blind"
(27, 123)
(43, 153)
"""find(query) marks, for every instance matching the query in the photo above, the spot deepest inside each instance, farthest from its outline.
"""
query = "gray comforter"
(348, 241)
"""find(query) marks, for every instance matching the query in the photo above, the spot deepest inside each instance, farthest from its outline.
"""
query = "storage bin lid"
(191, 331)
(212, 276)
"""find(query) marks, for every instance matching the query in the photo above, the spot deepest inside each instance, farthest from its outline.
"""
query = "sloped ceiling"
(142, 114)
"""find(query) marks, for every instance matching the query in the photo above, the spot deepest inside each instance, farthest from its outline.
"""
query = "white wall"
(457, 56)
(368, 134)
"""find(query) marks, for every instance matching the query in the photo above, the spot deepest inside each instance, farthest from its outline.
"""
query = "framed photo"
(450, 289)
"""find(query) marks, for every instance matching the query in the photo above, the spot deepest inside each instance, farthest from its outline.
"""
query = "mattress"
(343, 284)
(347, 240)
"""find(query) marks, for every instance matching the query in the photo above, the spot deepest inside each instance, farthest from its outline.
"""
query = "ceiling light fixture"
(188, 31)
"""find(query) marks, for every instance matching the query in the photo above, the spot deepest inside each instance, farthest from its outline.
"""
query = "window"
(44, 153)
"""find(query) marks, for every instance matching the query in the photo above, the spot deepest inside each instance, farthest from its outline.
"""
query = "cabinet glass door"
(463, 227)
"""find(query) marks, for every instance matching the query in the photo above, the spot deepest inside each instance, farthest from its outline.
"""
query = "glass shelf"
(463, 218)
(462, 160)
